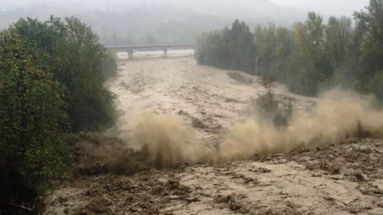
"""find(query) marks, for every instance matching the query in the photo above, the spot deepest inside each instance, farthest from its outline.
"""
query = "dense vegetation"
(76, 59)
(309, 57)
(52, 78)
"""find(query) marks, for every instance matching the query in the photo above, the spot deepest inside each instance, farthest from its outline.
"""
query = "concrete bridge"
(131, 48)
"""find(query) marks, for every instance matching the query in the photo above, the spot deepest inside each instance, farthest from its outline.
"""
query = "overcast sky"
(173, 19)
(325, 7)
(289, 2)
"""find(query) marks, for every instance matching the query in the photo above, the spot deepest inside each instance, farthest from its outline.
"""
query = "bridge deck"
(151, 46)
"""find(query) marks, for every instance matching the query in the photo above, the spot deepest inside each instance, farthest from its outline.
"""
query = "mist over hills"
(122, 21)
(331, 7)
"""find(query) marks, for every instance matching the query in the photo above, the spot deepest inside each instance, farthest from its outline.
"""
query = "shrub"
(32, 119)
(78, 62)
(275, 110)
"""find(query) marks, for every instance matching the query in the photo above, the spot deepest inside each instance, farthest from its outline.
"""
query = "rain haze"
(180, 107)
(119, 21)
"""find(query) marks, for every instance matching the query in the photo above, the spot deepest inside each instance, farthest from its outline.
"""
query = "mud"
(203, 103)
(344, 178)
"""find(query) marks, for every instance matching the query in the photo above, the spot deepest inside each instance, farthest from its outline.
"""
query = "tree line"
(52, 77)
(308, 57)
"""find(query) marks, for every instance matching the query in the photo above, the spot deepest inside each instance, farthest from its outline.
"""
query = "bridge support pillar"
(130, 53)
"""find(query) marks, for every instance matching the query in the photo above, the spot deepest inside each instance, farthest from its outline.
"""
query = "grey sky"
(289, 2)
(277, 11)
(326, 6)
(329, 7)
(172, 20)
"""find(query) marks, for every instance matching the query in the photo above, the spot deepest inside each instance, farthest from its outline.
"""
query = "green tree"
(78, 62)
(338, 34)
(284, 50)
(212, 50)
(370, 29)
(231, 48)
(309, 57)
(32, 115)
(240, 41)
(266, 43)
(309, 66)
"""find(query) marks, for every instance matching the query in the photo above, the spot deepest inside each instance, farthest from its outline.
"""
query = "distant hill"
(121, 21)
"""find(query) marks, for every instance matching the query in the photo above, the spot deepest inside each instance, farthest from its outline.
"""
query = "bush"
(52, 78)
(78, 62)
(276, 111)
(32, 119)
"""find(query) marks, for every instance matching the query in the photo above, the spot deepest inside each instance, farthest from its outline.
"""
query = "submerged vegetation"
(308, 57)
(52, 78)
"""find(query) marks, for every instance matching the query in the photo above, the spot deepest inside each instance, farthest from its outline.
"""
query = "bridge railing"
(139, 46)
(131, 48)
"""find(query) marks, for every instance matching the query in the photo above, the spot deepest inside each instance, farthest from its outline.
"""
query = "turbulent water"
(184, 113)
(181, 113)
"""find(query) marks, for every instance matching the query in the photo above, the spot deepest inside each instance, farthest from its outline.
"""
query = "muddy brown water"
(344, 178)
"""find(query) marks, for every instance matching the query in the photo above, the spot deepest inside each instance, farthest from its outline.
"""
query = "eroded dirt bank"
(341, 178)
